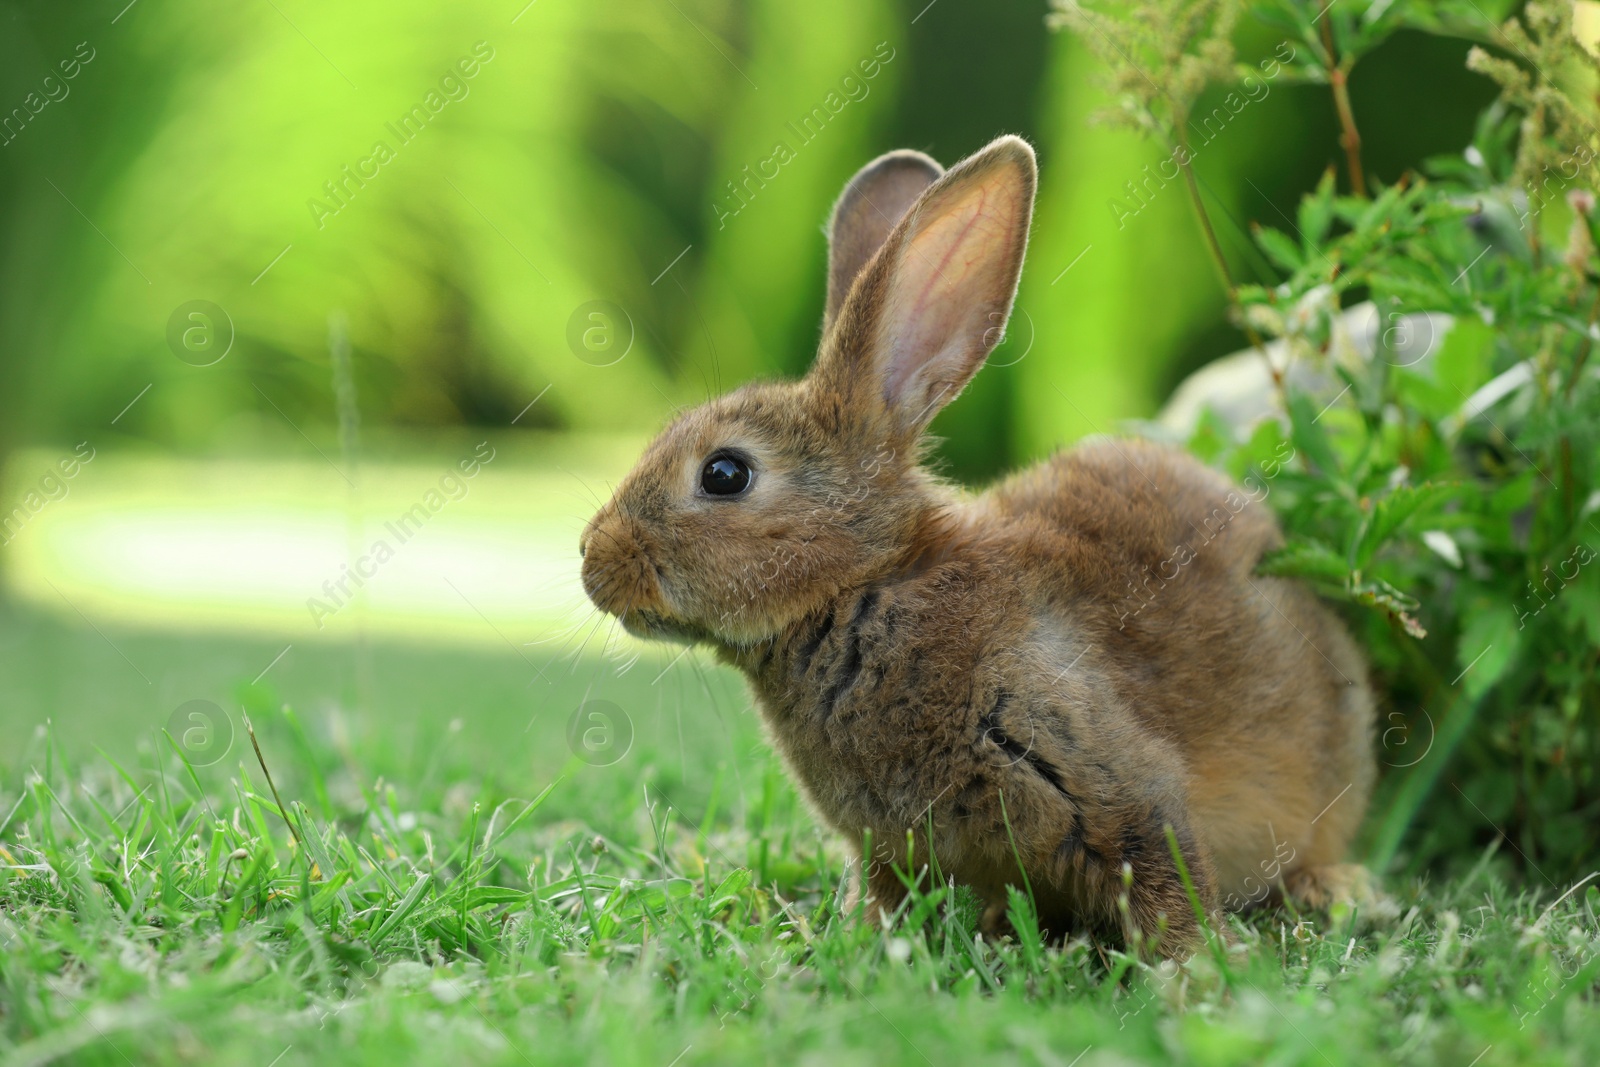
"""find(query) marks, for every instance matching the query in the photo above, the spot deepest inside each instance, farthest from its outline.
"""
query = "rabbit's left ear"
(872, 202)
(934, 301)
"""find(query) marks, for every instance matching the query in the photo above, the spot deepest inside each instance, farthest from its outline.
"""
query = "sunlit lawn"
(481, 878)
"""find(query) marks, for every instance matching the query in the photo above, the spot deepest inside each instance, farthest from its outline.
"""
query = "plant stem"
(1185, 164)
(1212, 243)
(1349, 136)
(1585, 346)
(283, 812)
(1535, 204)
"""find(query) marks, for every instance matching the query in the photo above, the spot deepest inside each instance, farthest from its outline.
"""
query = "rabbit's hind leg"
(1159, 905)
(1123, 878)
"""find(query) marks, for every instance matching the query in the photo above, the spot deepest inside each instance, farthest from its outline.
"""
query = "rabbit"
(1025, 687)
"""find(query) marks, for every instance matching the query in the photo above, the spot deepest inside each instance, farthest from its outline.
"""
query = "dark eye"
(725, 476)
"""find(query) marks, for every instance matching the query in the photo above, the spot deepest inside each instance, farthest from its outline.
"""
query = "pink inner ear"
(953, 274)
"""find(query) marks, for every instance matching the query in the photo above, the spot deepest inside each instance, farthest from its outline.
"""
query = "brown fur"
(1034, 682)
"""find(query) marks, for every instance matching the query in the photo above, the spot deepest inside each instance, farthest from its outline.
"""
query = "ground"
(481, 878)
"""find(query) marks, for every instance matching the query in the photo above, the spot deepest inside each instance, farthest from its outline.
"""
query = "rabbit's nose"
(618, 576)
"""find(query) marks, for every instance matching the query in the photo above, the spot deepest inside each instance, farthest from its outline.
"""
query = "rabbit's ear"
(934, 302)
(872, 202)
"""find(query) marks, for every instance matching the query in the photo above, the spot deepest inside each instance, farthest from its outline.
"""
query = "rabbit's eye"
(725, 476)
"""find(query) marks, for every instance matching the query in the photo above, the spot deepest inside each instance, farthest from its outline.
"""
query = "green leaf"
(652, 896)
(325, 892)
(311, 835)
(1316, 213)
(1280, 248)
(1418, 394)
(730, 890)
(406, 906)
(1474, 20)
(1580, 599)
(1285, 16)
(1462, 363)
(487, 896)
(1394, 511)
(1211, 436)
(1305, 558)
(1488, 645)
(1310, 438)
(532, 806)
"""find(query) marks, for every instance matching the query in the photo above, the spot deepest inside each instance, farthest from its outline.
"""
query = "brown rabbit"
(1028, 685)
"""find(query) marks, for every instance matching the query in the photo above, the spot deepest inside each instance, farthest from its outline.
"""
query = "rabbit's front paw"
(1334, 886)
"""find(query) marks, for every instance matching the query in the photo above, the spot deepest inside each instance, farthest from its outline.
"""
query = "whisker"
(564, 632)
(562, 653)
(598, 503)
(703, 674)
(577, 655)
(583, 647)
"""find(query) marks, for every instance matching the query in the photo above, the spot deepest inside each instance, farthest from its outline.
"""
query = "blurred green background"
(416, 230)
(592, 150)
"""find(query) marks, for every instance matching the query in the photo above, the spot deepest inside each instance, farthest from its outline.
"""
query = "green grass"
(469, 891)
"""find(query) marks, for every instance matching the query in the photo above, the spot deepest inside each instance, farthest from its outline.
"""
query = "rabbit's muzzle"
(619, 576)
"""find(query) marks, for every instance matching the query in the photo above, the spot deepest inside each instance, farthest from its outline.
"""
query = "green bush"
(1449, 502)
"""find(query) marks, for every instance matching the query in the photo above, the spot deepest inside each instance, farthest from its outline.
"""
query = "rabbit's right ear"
(934, 300)
(872, 202)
